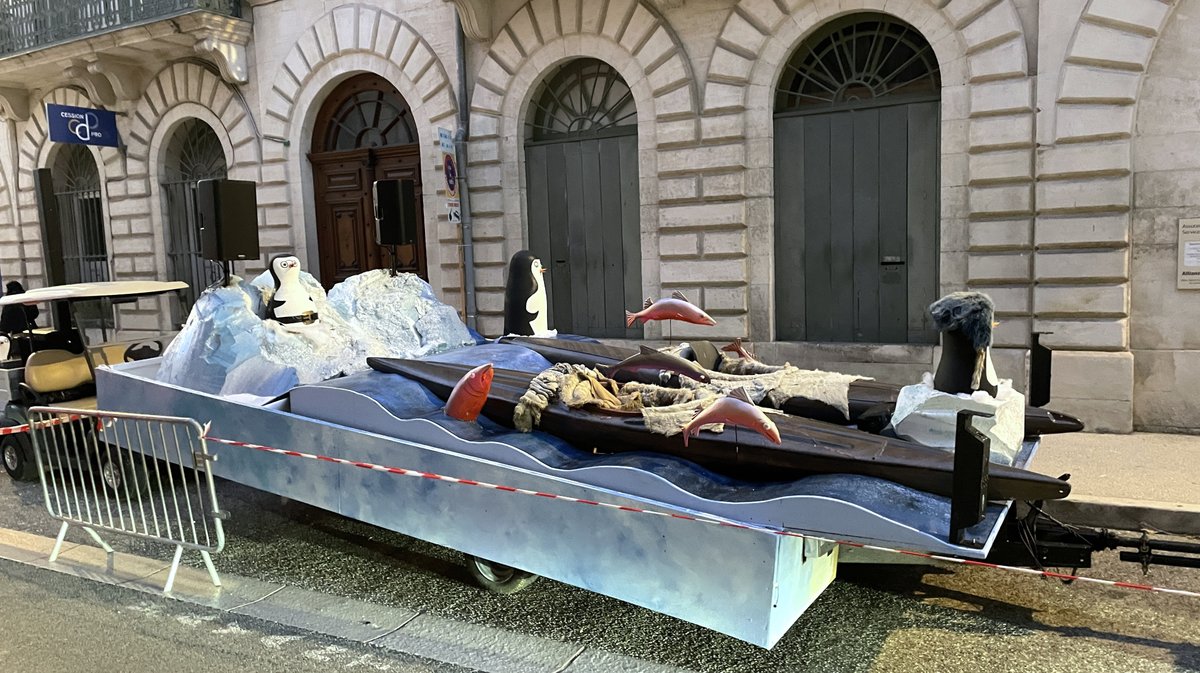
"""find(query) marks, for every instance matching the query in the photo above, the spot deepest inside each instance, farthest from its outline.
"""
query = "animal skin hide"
(969, 312)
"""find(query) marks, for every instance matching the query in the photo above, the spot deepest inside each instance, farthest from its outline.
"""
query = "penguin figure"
(965, 321)
(525, 310)
(290, 305)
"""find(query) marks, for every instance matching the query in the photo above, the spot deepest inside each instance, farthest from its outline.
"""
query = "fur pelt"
(968, 312)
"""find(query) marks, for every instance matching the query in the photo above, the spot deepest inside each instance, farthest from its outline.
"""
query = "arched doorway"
(193, 153)
(81, 216)
(82, 232)
(856, 184)
(363, 133)
(581, 178)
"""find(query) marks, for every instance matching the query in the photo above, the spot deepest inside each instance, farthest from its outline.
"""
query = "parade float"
(686, 490)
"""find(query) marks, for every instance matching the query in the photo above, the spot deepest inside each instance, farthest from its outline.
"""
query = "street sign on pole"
(450, 173)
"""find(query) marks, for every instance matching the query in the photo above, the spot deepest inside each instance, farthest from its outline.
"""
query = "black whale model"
(866, 397)
(808, 446)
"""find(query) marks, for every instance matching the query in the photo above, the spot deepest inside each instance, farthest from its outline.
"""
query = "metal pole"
(460, 150)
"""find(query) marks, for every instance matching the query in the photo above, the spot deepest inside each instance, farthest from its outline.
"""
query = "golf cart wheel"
(16, 453)
(498, 578)
(116, 471)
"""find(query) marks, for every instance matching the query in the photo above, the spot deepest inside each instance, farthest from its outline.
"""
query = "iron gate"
(82, 230)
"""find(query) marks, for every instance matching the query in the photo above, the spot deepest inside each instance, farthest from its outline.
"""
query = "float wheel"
(498, 578)
(17, 454)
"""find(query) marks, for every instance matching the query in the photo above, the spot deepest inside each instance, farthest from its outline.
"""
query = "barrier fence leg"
(62, 534)
(174, 569)
(104, 545)
(212, 569)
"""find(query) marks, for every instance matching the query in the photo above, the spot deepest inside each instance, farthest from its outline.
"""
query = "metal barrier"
(113, 472)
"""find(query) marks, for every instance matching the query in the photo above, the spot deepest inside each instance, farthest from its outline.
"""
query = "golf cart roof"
(117, 290)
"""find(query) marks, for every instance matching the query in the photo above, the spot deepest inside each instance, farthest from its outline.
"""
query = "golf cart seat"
(61, 378)
(108, 354)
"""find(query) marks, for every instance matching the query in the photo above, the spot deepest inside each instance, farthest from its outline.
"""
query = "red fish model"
(677, 307)
(469, 394)
(737, 347)
(734, 409)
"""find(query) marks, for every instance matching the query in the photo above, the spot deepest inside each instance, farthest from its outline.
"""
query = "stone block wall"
(1085, 197)
(1164, 322)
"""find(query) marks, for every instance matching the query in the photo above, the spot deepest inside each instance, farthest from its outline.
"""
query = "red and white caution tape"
(24, 427)
(717, 522)
(14, 429)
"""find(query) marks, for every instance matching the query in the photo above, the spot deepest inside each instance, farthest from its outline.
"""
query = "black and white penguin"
(525, 310)
(965, 321)
(290, 304)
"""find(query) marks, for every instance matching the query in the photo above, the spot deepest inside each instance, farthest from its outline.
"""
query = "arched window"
(369, 113)
(81, 214)
(581, 173)
(581, 97)
(193, 153)
(855, 60)
(83, 235)
(856, 184)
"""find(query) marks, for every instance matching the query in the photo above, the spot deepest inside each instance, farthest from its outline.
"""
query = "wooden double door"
(346, 211)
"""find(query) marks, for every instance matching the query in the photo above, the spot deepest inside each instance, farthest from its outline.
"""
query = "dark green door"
(581, 178)
(856, 205)
(856, 185)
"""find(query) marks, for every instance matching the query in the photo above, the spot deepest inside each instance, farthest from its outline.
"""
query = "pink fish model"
(734, 409)
(470, 393)
(737, 347)
(677, 307)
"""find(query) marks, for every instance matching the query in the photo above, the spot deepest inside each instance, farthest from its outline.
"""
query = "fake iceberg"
(227, 348)
(397, 316)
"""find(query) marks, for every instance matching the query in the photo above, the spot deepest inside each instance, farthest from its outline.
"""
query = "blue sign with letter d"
(82, 126)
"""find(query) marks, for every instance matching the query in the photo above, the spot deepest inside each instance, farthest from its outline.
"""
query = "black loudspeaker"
(395, 212)
(51, 225)
(228, 213)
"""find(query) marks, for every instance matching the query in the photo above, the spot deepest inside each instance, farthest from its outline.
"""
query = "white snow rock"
(372, 314)
(397, 316)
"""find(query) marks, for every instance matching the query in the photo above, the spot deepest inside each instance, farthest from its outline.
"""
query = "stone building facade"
(1062, 157)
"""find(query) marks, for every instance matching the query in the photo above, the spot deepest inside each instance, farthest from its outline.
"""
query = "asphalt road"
(55, 623)
(878, 618)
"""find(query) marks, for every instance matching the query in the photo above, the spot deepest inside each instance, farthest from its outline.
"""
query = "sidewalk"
(1132, 482)
(400, 630)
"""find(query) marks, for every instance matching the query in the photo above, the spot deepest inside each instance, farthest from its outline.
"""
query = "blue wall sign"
(82, 126)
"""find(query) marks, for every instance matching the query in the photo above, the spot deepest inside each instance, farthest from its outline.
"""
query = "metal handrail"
(26, 25)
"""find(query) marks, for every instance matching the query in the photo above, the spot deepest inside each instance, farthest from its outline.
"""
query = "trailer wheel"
(116, 472)
(498, 578)
(18, 458)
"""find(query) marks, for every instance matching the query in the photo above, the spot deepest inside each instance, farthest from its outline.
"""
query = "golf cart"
(56, 366)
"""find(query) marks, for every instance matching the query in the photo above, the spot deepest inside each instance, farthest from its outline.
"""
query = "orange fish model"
(734, 409)
(737, 347)
(677, 307)
(469, 394)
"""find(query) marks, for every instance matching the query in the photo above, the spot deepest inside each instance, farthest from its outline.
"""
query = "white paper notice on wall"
(1189, 254)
